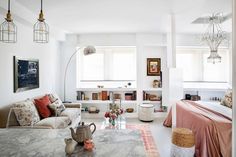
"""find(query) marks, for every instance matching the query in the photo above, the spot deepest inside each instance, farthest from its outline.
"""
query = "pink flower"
(113, 116)
(107, 114)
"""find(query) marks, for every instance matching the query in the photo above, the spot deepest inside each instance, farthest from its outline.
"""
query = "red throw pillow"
(42, 106)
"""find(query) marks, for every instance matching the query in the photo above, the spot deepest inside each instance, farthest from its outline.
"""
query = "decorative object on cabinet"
(153, 66)
(8, 30)
(130, 110)
(26, 74)
(100, 86)
(156, 84)
(41, 28)
(87, 51)
(116, 96)
(94, 96)
(128, 96)
(104, 95)
(93, 109)
(151, 97)
(192, 97)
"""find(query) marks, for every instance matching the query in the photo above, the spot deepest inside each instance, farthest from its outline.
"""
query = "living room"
(142, 76)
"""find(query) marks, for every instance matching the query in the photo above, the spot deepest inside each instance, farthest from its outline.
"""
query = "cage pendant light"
(8, 30)
(41, 29)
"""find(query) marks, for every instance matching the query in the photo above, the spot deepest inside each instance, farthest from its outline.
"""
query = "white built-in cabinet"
(147, 46)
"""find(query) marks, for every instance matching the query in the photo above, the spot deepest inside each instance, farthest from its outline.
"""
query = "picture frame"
(153, 66)
(26, 74)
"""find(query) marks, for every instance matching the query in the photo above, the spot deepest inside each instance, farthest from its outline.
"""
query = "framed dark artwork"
(153, 66)
(26, 74)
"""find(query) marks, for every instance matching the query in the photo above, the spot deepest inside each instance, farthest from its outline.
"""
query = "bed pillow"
(26, 113)
(227, 99)
(42, 106)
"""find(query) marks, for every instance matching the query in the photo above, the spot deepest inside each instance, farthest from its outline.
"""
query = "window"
(108, 64)
(195, 67)
(92, 67)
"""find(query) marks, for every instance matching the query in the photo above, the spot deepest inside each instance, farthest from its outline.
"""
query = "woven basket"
(183, 137)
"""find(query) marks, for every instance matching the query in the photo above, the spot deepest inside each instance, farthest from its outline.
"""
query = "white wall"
(73, 41)
(148, 45)
(25, 47)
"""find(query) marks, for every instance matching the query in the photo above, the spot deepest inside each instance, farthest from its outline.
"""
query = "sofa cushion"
(42, 106)
(54, 122)
(26, 113)
(71, 113)
(56, 108)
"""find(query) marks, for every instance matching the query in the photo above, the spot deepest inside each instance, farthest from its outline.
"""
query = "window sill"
(206, 86)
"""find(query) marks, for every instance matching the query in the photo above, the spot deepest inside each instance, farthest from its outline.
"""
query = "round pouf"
(146, 112)
(182, 143)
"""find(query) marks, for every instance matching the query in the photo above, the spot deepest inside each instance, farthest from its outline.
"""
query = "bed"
(211, 124)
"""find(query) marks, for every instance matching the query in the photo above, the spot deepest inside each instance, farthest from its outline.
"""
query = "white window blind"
(195, 67)
(109, 63)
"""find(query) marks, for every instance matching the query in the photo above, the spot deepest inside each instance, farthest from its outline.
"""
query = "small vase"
(113, 123)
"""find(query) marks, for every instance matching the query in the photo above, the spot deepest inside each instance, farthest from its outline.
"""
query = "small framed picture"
(153, 66)
(26, 74)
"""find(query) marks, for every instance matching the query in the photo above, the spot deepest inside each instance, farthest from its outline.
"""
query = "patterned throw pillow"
(54, 98)
(26, 113)
(56, 107)
(227, 100)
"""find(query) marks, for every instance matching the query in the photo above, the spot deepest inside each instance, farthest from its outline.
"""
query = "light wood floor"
(161, 134)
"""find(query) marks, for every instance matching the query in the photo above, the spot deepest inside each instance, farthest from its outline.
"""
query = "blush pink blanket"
(212, 130)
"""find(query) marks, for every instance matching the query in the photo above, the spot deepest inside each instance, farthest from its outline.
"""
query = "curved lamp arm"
(67, 65)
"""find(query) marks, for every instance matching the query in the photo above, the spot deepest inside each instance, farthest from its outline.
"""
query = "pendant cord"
(9, 5)
(41, 5)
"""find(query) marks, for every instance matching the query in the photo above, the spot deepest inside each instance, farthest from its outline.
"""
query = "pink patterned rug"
(148, 140)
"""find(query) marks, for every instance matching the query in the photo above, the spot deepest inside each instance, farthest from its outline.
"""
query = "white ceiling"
(115, 16)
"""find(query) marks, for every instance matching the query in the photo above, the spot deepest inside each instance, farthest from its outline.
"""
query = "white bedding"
(216, 106)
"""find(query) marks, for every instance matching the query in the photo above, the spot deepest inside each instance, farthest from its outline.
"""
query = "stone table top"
(50, 143)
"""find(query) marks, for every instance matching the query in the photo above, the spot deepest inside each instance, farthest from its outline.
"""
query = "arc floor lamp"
(87, 51)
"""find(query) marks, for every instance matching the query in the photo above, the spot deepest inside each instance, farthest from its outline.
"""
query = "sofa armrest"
(72, 105)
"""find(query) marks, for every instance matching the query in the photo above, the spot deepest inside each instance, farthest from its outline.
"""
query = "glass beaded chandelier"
(41, 28)
(213, 37)
(8, 30)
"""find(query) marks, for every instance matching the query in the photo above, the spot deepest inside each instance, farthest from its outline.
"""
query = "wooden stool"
(182, 143)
